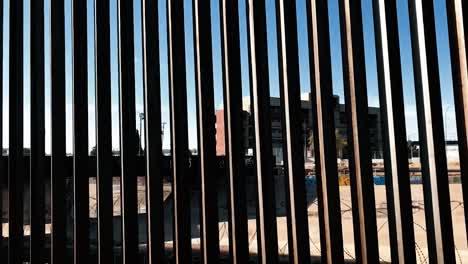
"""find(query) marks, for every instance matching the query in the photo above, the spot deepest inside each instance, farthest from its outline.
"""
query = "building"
(277, 136)
(221, 135)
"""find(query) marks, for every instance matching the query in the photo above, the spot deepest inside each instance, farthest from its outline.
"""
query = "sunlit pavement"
(382, 225)
(347, 223)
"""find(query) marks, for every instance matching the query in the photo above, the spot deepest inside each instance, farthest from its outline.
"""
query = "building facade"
(341, 125)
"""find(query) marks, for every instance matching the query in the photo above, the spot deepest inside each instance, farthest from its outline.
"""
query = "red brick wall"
(220, 143)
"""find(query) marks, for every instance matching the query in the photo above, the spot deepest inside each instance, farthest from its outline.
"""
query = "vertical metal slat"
(2, 168)
(58, 132)
(233, 114)
(153, 144)
(37, 169)
(103, 132)
(256, 13)
(324, 131)
(80, 133)
(456, 16)
(431, 132)
(398, 187)
(206, 129)
(15, 161)
(127, 131)
(179, 130)
(362, 183)
(299, 248)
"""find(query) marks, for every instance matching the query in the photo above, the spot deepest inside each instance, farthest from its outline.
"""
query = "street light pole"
(141, 117)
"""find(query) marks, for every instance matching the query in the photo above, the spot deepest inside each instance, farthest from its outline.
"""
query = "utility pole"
(445, 123)
(162, 131)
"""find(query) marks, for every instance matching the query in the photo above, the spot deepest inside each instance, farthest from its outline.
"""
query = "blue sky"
(444, 61)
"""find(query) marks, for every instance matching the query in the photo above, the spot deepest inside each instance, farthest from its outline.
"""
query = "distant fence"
(16, 175)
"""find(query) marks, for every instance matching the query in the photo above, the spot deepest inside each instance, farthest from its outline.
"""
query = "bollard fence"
(34, 182)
